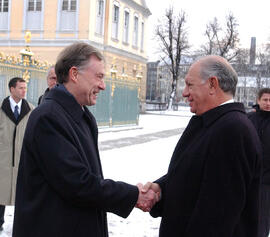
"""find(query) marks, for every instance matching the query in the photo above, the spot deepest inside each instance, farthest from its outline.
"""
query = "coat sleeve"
(230, 183)
(62, 167)
(157, 210)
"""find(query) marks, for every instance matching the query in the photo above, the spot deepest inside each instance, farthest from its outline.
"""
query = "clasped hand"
(149, 195)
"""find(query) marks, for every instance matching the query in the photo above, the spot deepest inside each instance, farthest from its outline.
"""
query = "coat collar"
(263, 113)
(25, 108)
(67, 101)
(212, 115)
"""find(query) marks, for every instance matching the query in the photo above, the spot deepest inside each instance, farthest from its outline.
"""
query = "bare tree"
(172, 37)
(220, 41)
(263, 58)
(241, 65)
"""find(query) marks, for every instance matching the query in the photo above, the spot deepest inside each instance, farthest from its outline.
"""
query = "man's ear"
(213, 84)
(73, 74)
(12, 89)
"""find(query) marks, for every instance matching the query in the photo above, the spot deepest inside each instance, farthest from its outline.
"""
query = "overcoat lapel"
(94, 132)
(7, 109)
(188, 137)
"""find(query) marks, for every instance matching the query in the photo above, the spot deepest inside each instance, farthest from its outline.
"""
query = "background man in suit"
(14, 114)
(51, 82)
(261, 120)
(61, 190)
(212, 184)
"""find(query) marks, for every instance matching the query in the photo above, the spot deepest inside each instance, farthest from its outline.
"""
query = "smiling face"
(196, 91)
(264, 102)
(90, 80)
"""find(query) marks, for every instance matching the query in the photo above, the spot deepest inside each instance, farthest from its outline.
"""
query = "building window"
(142, 37)
(69, 5)
(4, 14)
(126, 26)
(115, 21)
(100, 17)
(34, 5)
(68, 15)
(135, 31)
(3, 5)
(33, 15)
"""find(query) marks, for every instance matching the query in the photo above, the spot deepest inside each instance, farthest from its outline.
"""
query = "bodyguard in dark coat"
(212, 185)
(51, 82)
(261, 120)
(61, 191)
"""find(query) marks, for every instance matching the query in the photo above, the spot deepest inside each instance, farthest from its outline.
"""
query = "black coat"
(60, 187)
(42, 97)
(261, 121)
(212, 185)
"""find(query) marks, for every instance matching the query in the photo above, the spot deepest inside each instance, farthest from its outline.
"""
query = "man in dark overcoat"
(51, 82)
(61, 191)
(261, 120)
(211, 188)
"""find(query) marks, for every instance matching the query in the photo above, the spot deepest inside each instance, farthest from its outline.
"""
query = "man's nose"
(102, 85)
(185, 92)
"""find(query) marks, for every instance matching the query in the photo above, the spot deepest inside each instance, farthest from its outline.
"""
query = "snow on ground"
(151, 122)
(133, 164)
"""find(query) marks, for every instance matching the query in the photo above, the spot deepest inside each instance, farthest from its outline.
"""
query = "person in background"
(261, 120)
(61, 190)
(14, 113)
(51, 82)
(212, 184)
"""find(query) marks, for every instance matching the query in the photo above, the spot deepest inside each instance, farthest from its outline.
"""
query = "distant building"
(152, 80)
(251, 78)
(159, 81)
(250, 82)
(117, 27)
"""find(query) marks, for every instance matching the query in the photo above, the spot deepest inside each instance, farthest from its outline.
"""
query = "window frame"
(25, 27)
(60, 30)
(69, 5)
(115, 20)
(5, 16)
(135, 31)
(100, 17)
(126, 26)
(35, 6)
(2, 6)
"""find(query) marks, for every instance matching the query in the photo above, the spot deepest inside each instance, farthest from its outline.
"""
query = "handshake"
(149, 195)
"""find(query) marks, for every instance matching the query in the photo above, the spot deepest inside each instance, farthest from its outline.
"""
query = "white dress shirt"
(13, 104)
(228, 101)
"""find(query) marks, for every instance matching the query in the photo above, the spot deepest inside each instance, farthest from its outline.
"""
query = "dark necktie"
(16, 112)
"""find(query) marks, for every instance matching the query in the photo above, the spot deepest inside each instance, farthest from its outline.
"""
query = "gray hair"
(216, 66)
(75, 55)
(49, 70)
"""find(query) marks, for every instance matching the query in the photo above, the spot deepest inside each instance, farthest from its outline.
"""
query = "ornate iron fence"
(117, 105)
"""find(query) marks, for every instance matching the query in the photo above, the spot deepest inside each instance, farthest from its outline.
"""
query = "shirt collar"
(227, 102)
(13, 104)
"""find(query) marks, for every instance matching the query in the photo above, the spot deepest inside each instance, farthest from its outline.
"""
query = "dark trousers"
(264, 218)
(2, 213)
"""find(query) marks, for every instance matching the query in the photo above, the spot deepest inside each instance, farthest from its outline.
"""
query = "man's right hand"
(149, 194)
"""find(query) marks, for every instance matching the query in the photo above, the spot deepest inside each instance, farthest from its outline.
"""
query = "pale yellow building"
(116, 27)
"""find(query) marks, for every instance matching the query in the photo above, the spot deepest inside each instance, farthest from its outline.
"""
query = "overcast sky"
(253, 18)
